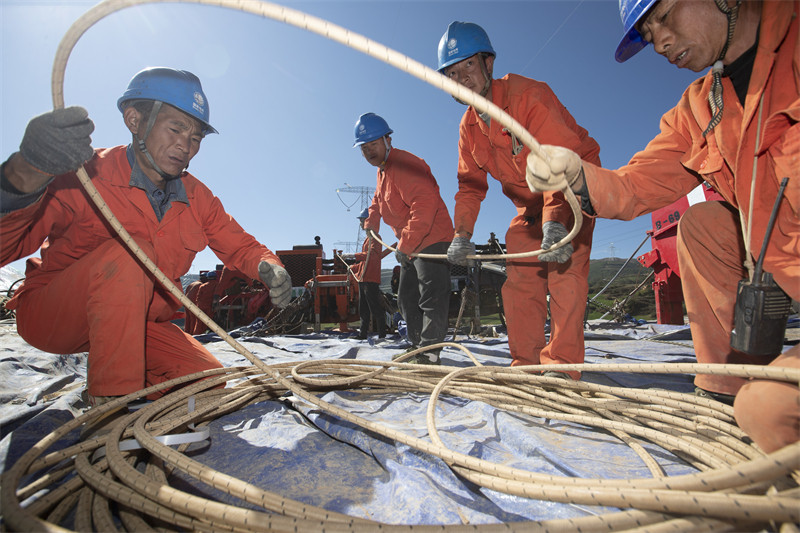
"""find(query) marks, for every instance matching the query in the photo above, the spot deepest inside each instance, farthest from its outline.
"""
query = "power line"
(532, 59)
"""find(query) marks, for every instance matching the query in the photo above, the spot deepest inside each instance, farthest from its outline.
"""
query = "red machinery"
(334, 293)
(663, 258)
(322, 291)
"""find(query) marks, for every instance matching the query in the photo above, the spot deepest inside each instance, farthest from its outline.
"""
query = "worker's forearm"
(22, 177)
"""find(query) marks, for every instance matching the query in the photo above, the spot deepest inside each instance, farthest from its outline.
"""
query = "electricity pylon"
(364, 198)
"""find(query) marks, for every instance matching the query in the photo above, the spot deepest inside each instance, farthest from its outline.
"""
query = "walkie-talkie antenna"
(770, 225)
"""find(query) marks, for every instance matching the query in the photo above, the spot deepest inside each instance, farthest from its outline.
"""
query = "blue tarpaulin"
(292, 448)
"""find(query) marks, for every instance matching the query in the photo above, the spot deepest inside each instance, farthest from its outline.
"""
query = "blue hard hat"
(364, 214)
(631, 11)
(178, 88)
(369, 127)
(460, 41)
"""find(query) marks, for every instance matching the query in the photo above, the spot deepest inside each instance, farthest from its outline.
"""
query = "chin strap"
(715, 94)
(388, 149)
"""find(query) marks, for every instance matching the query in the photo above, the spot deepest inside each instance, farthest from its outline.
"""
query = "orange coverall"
(204, 299)
(190, 320)
(368, 268)
(490, 149)
(407, 198)
(367, 273)
(88, 292)
(710, 244)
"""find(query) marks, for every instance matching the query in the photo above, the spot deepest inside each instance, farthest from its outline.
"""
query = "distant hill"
(641, 304)
(602, 270)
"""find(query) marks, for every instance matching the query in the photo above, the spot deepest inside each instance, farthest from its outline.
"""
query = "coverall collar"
(499, 99)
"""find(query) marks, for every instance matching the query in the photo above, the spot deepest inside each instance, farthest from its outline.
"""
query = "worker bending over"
(367, 273)
(88, 291)
(485, 146)
(407, 198)
(737, 129)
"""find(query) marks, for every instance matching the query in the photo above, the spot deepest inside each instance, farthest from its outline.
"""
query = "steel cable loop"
(335, 33)
(496, 483)
(753, 473)
(514, 473)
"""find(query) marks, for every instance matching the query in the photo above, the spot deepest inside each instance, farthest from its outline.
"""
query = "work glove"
(551, 167)
(458, 251)
(58, 141)
(402, 258)
(554, 232)
(277, 279)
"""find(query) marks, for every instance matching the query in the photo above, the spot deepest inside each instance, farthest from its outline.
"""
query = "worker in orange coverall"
(367, 273)
(485, 146)
(87, 291)
(204, 299)
(746, 138)
(190, 321)
(407, 198)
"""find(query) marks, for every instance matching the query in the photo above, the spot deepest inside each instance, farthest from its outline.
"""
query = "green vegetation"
(641, 304)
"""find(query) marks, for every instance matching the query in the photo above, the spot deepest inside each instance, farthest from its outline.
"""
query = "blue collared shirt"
(160, 200)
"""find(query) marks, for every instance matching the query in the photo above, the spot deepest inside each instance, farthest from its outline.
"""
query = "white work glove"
(552, 233)
(552, 167)
(277, 279)
(458, 251)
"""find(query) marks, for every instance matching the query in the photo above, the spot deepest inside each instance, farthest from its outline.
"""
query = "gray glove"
(58, 141)
(458, 251)
(554, 232)
(402, 258)
(279, 282)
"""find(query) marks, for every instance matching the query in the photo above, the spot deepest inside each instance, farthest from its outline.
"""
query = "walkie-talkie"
(761, 306)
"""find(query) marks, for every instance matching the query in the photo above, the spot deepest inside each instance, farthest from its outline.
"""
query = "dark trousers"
(424, 296)
(369, 304)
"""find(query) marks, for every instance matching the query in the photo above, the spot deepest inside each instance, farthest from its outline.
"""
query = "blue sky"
(285, 100)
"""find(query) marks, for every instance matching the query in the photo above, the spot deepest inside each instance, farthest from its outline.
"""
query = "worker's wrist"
(463, 234)
(21, 178)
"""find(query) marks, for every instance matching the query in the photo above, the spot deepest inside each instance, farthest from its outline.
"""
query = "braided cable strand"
(734, 488)
(504, 387)
(349, 39)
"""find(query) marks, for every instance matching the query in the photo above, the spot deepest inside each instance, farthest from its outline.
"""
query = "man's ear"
(133, 119)
(489, 62)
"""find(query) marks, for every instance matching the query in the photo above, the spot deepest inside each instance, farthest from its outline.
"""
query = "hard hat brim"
(629, 46)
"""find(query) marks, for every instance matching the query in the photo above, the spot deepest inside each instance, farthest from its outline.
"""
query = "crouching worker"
(87, 291)
(737, 129)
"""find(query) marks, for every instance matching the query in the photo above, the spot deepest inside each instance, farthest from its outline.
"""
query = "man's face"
(689, 33)
(374, 152)
(174, 139)
(468, 72)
